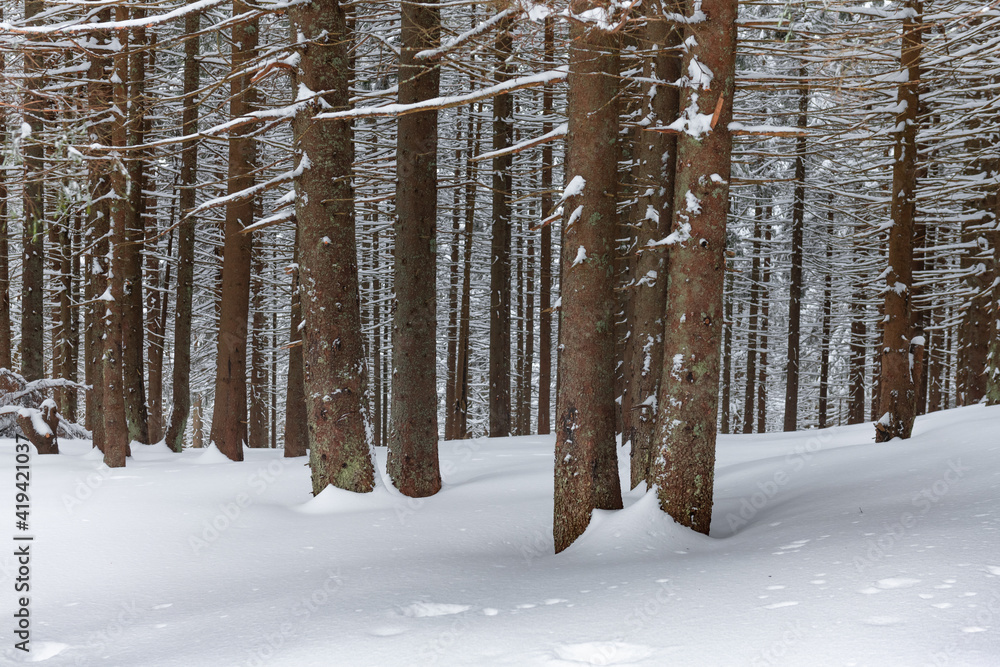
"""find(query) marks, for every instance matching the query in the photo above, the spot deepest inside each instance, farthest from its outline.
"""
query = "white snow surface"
(826, 549)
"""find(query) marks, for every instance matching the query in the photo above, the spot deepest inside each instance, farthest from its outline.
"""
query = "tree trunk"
(825, 327)
(897, 403)
(296, 415)
(795, 275)
(652, 216)
(545, 249)
(586, 466)
(765, 323)
(116, 436)
(413, 452)
(6, 339)
(258, 428)
(683, 467)
(133, 321)
(33, 239)
(229, 417)
(450, 384)
(181, 378)
(753, 324)
(503, 130)
(464, 343)
(332, 343)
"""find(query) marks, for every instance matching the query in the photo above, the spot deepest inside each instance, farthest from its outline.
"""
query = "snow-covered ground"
(826, 549)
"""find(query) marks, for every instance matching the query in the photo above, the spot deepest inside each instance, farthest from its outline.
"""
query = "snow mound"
(641, 528)
(601, 653)
(212, 455)
(332, 500)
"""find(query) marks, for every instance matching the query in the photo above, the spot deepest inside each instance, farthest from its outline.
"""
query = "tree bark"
(33, 238)
(795, 274)
(181, 374)
(332, 343)
(229, 417)
(296, 414)
(753, 322)
(652, 216)
(683, 467)
(413, 453)
(545, 249)
(586, 466)
(503, 130)
(897, 402)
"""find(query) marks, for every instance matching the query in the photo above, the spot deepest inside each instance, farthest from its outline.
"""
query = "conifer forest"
(382, 239)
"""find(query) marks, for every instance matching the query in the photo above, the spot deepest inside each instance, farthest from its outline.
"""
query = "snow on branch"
(459, 40)
(447, 102)
(557, 133)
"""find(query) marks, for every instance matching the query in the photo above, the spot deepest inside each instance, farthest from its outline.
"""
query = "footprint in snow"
(428, 609)
(779, 605)
(896, 582)
(882, 621)
(602, 653)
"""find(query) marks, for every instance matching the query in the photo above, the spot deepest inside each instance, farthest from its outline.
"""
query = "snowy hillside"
(826, 549)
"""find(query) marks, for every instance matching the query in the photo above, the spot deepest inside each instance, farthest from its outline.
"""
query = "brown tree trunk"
(229, 417)
(332, 343)
(461, 406)
(545, 249)
(296, 414)
(795, 274)
(116, 436)
(825, 332)
(450, 413)
(413, 452)
(753, 324)
(683, 466)
(99, 98)
(765, 323)
(156, 308)
(257, 436)
(897, 403)
(33, 238)
(586, 466)
(652, 216)
(133, 321)
(376, 372)
(726, 379)
(503, 130)
(528, 360)
(181, 378)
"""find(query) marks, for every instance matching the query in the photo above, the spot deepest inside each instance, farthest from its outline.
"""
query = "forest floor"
(826, 549)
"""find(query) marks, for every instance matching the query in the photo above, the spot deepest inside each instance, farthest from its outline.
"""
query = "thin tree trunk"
(296, 418)
(229, 417)
(545, 248)
(258, 427)
(754, 321)
(795, 278)
(33, 238)
(825, 332)
(413, 452)
(133, 321)
(116, 436)
(464, 343)
(897, 404)
(181, 374)
(683, 466)
(586, 467)
(765, 323)
(503, 130)
(450, 413)
(652, 215)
